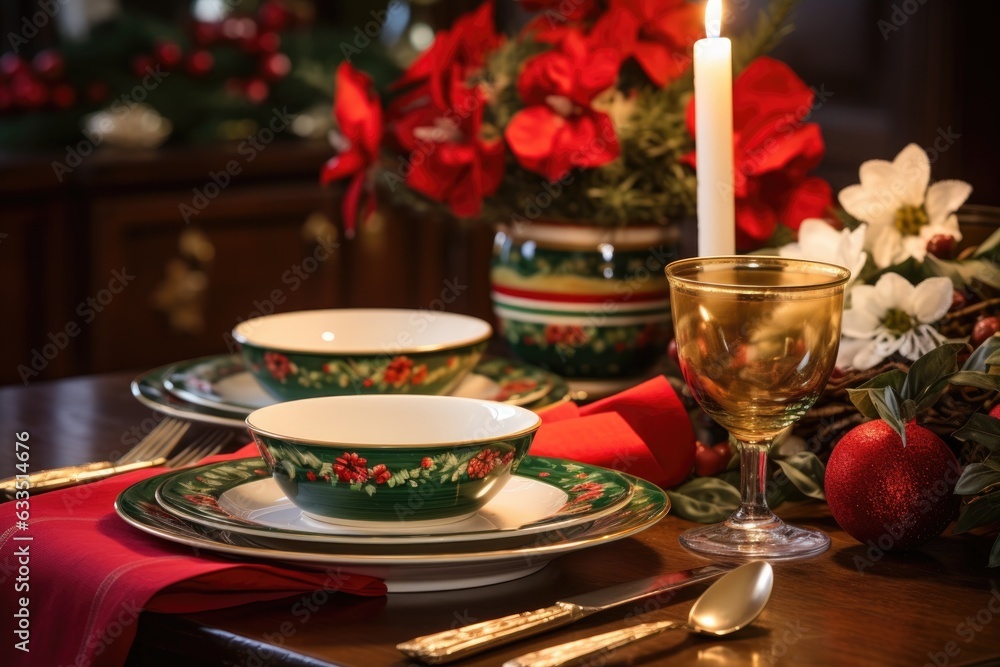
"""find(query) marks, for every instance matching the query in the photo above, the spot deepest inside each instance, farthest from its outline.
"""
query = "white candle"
(713, 92)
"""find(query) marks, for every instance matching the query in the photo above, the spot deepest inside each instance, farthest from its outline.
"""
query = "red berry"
(268, 42)
(272, 16)
(168, 54)
(723, 450)
(707, 462)
(49, 64)
(200, 63)
(275, 66)
(672, 350)
(941, 246)
(958, 301)
(984, 328)
(256, 91)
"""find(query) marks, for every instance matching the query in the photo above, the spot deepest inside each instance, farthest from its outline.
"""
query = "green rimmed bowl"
(338, 352)
(386, 461)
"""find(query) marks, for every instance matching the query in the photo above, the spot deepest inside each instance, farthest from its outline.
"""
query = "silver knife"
(450, 645)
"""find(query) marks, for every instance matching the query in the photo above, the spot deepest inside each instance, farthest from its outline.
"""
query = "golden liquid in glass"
(756, 359)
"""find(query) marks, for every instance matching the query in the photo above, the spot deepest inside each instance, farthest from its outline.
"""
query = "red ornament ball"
(995, 412)
(887, 495)
(200, 63)
(168, 54)
(49, 65)
(256, 91)
(275, 66)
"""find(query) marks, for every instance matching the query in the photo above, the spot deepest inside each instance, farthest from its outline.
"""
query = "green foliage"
(897, 397)
(797, 477)
(980, 481)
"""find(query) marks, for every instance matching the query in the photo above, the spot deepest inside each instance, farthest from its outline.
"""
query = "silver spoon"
(731, 603)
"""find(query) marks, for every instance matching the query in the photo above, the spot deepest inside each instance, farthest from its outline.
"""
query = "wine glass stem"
(753, 510)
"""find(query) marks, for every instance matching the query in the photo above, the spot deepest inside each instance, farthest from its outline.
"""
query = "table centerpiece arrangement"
(575, 137)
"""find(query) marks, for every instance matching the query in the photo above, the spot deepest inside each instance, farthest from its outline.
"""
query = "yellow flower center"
(909, 220)
(897, 321)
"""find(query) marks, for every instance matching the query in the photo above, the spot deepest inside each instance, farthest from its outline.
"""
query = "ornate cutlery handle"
(450, 645)
(571, 652)
(59, 478)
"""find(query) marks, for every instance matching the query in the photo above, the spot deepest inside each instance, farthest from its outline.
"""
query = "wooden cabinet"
(110, 254)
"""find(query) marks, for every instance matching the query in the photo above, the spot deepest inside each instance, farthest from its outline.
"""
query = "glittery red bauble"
(995, 412)
(887, 495)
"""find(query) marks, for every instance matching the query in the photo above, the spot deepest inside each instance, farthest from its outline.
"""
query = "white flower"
(903, 212)
(820, 242)
(893, 316)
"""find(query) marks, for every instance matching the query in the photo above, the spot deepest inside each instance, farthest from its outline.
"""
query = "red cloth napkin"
(85, 574)
(644, 431)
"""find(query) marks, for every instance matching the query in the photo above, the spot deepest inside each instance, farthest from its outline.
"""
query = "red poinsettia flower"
(660, 36)
(452, 157)
(562, 10)
(359, 121)
(457, 51)
(351, 468)
(558, 130)
(775, 150)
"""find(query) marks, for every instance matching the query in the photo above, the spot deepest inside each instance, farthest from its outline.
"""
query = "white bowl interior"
(390, 420)
(362, 331)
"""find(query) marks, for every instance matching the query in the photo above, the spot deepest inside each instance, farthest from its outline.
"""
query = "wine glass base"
(776, 542)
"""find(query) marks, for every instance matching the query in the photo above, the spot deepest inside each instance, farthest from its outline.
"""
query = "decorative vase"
(584, 301)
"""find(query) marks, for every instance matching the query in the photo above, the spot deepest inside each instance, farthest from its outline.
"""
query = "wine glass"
(757, 339)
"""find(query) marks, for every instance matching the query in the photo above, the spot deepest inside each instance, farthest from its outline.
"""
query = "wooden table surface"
(850, 606)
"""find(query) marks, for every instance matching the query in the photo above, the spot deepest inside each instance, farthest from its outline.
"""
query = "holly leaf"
(976, 379)
(887, 405)
(983, 429)
(806, 472)
(966, 272)
(981, 511)
(927, 377)
(705, 500)
(862, 398)
(975, 478)
(984, 356)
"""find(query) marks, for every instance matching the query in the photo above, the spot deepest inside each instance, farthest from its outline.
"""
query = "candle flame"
(713, 18)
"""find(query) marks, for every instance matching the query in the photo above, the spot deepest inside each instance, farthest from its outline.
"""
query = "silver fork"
(204, 445)
(146, 453)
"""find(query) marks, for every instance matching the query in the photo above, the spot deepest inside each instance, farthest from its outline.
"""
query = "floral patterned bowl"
(382, 461)
(312, 353)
